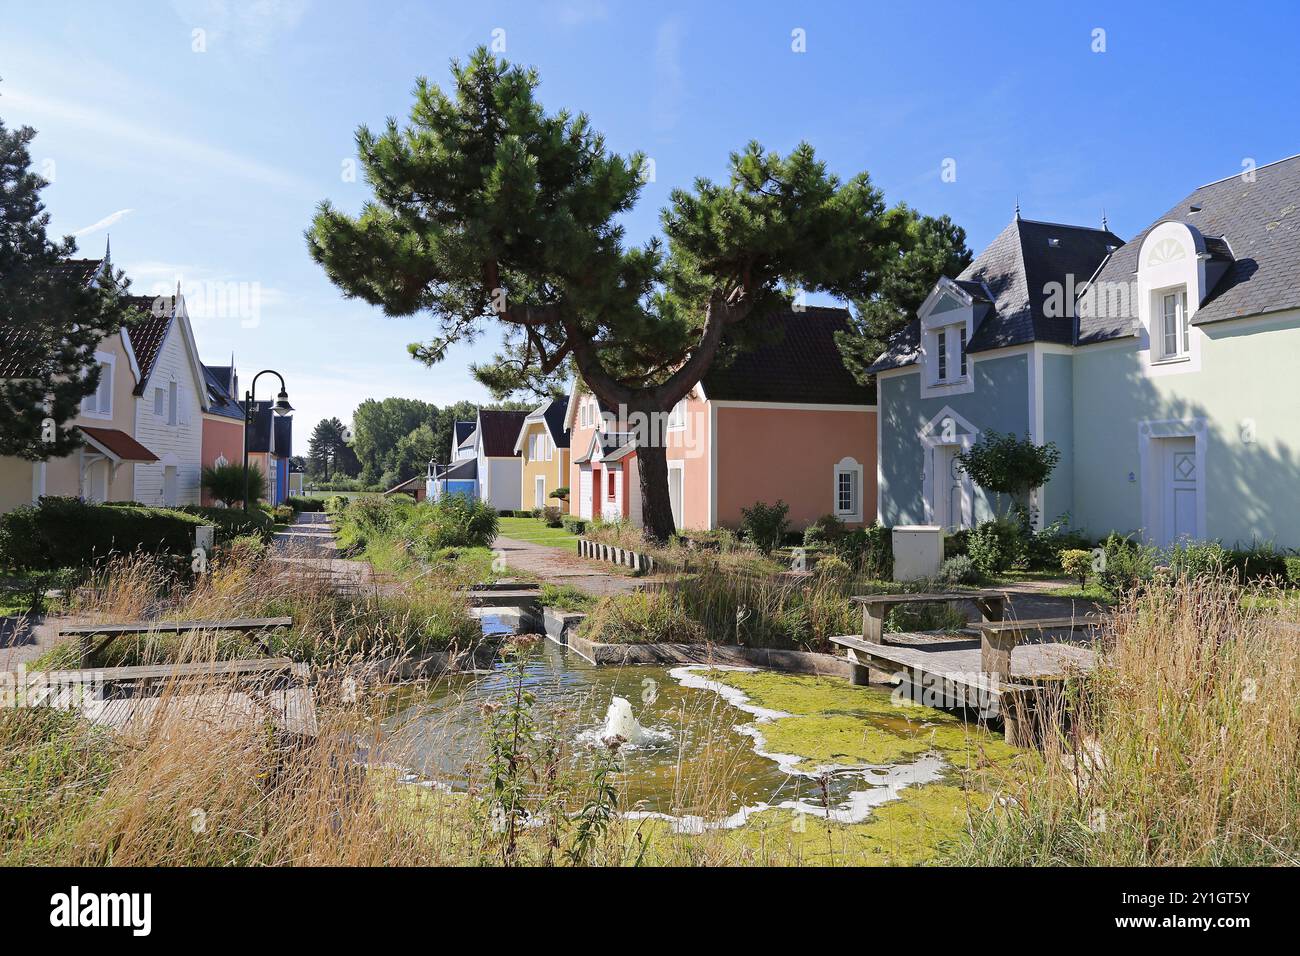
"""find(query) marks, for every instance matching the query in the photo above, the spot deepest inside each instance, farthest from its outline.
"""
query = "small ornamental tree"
(225, 483)
(1010, 466)
(488, 211)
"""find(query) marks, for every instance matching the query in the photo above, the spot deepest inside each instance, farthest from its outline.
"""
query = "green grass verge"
(535, 532)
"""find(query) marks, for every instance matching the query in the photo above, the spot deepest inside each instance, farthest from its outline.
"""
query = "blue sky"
(206, 165)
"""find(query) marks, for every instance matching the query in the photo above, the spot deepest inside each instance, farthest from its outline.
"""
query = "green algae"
(835, 722)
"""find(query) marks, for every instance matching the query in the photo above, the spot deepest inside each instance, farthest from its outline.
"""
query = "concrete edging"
(624, 557)
(797, 662)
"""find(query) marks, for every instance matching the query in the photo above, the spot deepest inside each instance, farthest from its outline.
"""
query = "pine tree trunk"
(656, 505)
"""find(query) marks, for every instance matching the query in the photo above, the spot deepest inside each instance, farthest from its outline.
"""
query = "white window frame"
(847, 467)
(677, 417)
(941, 354)
(1182, 350)
(107, 362)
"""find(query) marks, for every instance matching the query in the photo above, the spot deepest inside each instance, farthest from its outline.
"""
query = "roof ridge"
(1067, 225)
(1215, 182)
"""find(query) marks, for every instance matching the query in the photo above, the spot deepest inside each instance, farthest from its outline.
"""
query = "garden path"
(560, 566)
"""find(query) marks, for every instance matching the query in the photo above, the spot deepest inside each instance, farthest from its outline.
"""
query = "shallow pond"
(723, 743)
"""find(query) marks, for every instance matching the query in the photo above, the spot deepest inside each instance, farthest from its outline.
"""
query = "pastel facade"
(1161, 387)
(223, 422)
(543, 449)
(499, 467)
(782, 421)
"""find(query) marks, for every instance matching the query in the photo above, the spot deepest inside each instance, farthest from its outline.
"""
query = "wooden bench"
(999, 638)
(110, 632)
(876, 607)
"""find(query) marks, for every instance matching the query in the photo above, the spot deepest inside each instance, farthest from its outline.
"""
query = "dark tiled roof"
(119, 443)
(553, 412)
(223, 403)
(801, 364)
(1259, 220)
(461, 431)
(83, 269)
(466, 470)
(500, 430)
(148, 333)
(18, 351)
(1017, 270)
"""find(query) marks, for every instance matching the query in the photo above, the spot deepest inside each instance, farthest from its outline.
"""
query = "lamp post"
(281, 407)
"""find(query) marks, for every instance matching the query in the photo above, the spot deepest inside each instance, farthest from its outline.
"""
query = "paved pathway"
(560, 566)
(307, 548)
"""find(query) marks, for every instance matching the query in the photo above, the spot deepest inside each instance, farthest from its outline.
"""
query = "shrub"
(959, 570)
(995, 545)
(869, 551)
(1292, 569)
(956, 543)
(573, 524)
(1076, 563)
(459, 522)
(561, 493)
(834, 567)
(827, 529)
(1197, 559)
(68, 532)
(641, 617)
(765, 525)
(1011, 466)
(335, 503)
(1041, 550)
(552, 516)
(282, 514)
(1257, 562)
(305, 504)
(232, 522)
(225, 483)
(1125, 564)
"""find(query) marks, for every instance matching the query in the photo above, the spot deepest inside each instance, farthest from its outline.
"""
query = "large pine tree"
(51, 318)
(487, 209)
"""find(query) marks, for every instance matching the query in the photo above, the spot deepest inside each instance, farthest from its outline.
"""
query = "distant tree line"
(391, 440)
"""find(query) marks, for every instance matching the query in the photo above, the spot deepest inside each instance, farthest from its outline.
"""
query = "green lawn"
(535, 532)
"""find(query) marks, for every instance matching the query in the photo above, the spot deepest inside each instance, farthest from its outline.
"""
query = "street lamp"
(281, 407)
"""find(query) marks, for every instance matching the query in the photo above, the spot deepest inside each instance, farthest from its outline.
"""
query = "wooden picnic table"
(999, 638)
(876, 607)
(110, 632)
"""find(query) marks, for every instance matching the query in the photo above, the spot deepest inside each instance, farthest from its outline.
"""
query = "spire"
(108, 254)
(1017, 208)
(1104, 224)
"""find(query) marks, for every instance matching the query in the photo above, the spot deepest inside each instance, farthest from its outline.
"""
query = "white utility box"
(918, 551)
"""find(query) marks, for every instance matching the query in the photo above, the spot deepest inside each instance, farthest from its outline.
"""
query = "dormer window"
(1175, 338)
(950, 354)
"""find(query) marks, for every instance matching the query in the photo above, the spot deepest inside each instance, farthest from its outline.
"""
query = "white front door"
(952, 499)
(1179, 479)
(584, 493)
(612, 494)
(539, 492)
(171, 486)
(675, 493)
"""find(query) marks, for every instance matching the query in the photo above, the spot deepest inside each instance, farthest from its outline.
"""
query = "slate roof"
(223, 403)
(500, 429)
(83, 269)
(283, 435)
(1014, 273)
(1255, 225)
(466, 470)
(802, 364)
(16, 347)
(259, 432)
(147, 334)
(553, 411)
(461, 431)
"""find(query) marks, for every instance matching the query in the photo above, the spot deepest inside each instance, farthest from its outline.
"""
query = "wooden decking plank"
(935, 598)
(164, 671)
(960, 661)
(177, 627)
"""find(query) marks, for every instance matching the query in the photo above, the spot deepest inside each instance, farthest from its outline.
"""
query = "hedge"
(305, 504)
(68, 532)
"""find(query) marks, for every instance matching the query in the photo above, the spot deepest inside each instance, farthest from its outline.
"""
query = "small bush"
(827, 529)
(1258, 562)
(335, 503)
(283, 514)
(573, 524)
(1292, 565)
(552, 517)
(561, 493)
(1125, 564)
(834, 567)
(995, 545)
(226, 483)
(232, 522)
(765, 525)
(1197, 559)
(869, 551)
(959, 570)
(305, 504)
(1076, 563)
(956, 543)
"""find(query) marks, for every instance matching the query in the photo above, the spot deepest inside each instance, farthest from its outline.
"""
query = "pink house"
(223, 421)
(785, 421)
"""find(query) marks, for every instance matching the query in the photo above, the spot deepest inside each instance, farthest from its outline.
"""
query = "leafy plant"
(1076, 563)
(552, 517)
(1124, 564)
(225, 483)
(960, 570)
(1010, 466)
(995, 545)
(827, 529)
(765, 525)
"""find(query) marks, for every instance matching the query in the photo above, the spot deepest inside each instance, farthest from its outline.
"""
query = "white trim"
(847, 466)
(1151, 473)
(38, 480)
(130, 354)
(678, 465)
(880, 463)
(932, 441)
(110, 360)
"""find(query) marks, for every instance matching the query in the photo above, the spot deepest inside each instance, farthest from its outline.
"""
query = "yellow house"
(543, 447)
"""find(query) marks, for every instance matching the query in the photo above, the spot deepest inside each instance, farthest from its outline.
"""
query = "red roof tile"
(119, 443)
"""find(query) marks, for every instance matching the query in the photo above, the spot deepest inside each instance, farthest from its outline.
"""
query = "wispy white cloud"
(103, 223)
(252, 25)
(669, 85)
(178, 148)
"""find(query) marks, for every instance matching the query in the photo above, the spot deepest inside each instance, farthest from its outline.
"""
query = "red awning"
(116, 444)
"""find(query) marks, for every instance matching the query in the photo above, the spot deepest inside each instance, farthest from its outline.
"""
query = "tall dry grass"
(1182, 749)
